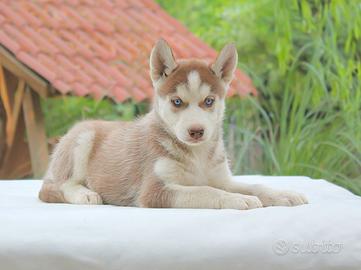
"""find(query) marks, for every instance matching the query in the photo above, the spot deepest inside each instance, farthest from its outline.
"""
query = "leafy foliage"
(61, 113)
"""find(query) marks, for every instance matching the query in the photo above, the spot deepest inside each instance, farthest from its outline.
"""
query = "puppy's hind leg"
(74, 189)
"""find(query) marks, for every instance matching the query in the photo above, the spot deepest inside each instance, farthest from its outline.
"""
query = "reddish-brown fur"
(180, 73)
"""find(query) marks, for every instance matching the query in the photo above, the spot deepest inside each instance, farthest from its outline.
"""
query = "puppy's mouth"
(192, 141)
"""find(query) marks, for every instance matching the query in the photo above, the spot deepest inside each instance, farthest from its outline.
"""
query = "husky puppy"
(172, 157)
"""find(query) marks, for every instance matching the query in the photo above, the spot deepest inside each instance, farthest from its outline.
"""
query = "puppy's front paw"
(270, 197)
(239, 202)
(88, 197)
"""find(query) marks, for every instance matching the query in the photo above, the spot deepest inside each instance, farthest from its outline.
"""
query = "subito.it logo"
(280, 247)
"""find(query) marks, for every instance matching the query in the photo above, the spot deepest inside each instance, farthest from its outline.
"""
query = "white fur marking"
(168, 170)
(81, 155)
(73, 189)
(78, 194)
(204, 90)
(194, 171)
(182, 91)
(194, 81)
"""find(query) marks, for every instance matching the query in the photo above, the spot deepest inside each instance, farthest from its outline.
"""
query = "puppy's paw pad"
(282, 198)
(88, 197)
(295, 198)
(252, 202)
(240, 202)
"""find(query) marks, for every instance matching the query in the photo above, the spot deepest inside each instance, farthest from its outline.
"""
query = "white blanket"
(325, 234)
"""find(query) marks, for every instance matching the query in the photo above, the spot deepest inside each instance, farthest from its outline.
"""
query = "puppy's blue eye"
(177, 102)
(209, 101)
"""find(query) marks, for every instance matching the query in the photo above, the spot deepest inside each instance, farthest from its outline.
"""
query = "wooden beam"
(18, 99)
(2, 133)
(10, 62)
(37, 140)
(4, 94)
(15, 163)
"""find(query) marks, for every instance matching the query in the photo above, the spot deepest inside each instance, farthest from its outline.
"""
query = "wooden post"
(37, 140)
(2, 133)
(14, 153)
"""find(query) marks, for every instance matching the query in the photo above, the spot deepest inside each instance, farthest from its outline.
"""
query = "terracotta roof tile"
(98, 47)
(8, 42)
(36, 65)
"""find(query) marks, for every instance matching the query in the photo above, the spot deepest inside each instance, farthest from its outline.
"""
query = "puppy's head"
(189, 94)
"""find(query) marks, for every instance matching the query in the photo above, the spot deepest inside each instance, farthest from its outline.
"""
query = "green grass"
(304, 58)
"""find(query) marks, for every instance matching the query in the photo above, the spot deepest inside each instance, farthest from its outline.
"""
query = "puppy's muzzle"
(196, 133)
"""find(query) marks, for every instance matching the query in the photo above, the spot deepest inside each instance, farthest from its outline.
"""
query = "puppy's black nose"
(196, 132)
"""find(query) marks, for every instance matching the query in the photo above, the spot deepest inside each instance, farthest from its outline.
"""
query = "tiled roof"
(97, 47)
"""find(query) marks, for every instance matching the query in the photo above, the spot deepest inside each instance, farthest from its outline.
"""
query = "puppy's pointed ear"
(162, 61)
(226, 63)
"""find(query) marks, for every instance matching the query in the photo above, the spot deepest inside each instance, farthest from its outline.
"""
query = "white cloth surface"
(325, 234)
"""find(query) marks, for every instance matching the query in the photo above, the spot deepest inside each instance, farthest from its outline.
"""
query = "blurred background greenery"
(305, 60)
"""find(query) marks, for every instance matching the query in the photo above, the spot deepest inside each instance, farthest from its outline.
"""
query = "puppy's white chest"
(194, 171)
(198, 166)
